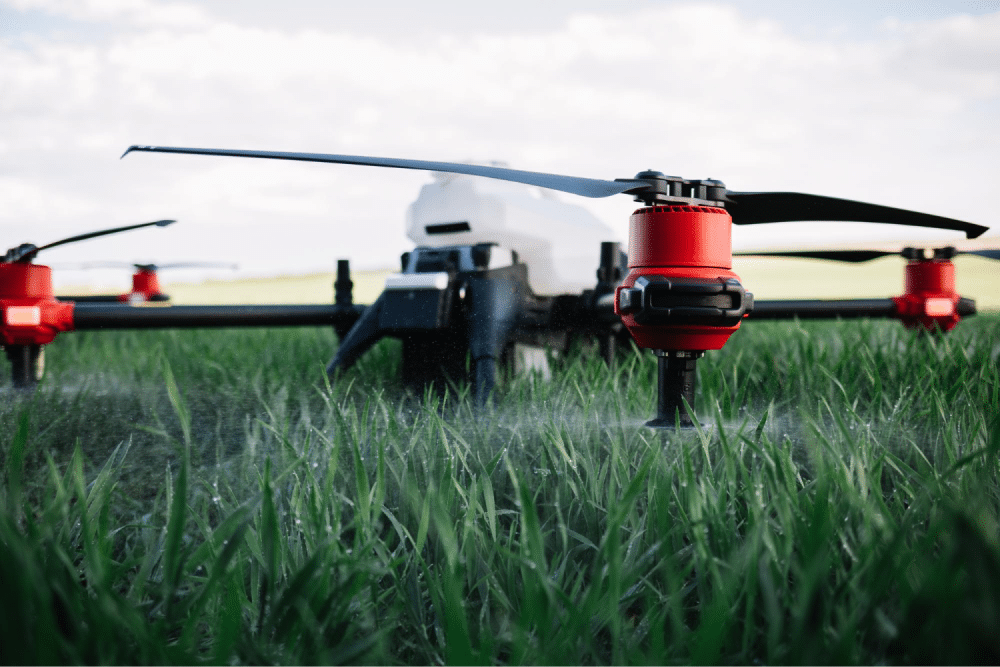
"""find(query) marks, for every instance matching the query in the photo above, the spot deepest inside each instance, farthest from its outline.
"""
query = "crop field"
(209, 497)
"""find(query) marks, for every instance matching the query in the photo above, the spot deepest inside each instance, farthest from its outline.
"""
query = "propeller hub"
(663, 189)
(22, 253)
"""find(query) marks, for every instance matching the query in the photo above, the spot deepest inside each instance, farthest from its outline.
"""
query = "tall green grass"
(207, 497)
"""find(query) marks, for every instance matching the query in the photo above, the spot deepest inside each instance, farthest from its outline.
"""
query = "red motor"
(680, 296)
(680, 292)
(145, 287)
(929, 299)
(31, 314)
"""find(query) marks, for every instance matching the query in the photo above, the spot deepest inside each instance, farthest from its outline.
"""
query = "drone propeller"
(867, 255)
(585, 187)
(26, 252)
(651, 187)
(988, 254)
(147, 267)
(186, 265)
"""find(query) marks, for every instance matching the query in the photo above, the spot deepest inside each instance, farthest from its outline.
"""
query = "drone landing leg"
(365, 333)
(606, 345)
(24, 364)
(493, 305)
(675, 384)
(486, 377)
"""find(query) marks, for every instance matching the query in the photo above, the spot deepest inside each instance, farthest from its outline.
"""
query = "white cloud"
(143, 13)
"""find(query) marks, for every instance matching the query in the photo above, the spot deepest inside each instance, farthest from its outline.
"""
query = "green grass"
(205, 497)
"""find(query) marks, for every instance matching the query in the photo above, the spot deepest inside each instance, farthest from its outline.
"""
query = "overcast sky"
(892, 102)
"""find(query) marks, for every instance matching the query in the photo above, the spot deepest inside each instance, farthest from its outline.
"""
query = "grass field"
(206, 497)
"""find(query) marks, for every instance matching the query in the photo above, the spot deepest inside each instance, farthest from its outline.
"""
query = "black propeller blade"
(989, 254)
(836, 255)
(111, 264)
(746, 208)
(868, 255)
(585, 187)
(186, 265)
(759, 207)
(27, 251)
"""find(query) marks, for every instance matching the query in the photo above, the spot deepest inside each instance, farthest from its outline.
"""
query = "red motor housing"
(680, 292)
(31, 314)
(929, 298)
(145, 286)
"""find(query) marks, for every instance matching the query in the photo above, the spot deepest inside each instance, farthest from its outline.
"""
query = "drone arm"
(89, 316)
(822, 309)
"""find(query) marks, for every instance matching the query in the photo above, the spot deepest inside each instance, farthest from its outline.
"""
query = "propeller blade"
(185, 265)
(835, 255)
(747, 208)
(92, 265)
(111, 264)
(27, 251)
(989, 254)
(753, 208)
(105, 232)
(586, 187)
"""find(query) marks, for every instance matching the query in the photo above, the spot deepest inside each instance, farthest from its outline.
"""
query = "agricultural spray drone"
(929, 300)
(145, 281)
(474, 286)
(679, 298)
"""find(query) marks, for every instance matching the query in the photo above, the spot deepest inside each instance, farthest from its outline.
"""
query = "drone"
(145, 282)
(929, 301)
(469, 290)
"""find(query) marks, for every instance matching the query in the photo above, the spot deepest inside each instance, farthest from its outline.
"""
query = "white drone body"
(560, 243)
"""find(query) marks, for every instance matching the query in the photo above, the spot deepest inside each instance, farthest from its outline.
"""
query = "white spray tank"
(560, 243)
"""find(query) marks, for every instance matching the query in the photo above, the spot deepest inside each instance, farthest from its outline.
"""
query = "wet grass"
(206, 497)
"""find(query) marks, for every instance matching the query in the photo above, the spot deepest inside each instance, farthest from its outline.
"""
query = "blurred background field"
(767, 278)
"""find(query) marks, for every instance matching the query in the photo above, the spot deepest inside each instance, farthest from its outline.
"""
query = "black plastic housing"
(659, 300)
(415, 309)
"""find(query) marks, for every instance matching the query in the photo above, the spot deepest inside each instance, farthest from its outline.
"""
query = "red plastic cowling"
(30, 313)
(929, 298)
(145, 285)
(679, 244)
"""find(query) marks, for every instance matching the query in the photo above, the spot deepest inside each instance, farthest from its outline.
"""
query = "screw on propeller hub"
(680, 296)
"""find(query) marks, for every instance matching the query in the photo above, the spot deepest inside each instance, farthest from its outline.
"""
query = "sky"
(896, 103)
